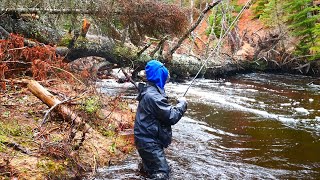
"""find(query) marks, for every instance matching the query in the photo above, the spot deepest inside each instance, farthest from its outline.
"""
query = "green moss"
(113, 148)
(3, 139)
(83, 43)
(91, 105)
(237, 8)
(6, 114)
(51, 168)
(56, 137)
(65, 40)
(108, 133)
(123, 105)
(123, 51)
(14, 129)
(30, 112)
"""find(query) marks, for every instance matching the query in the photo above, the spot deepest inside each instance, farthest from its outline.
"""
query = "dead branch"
(144, 48)
(85, 27)
(129, 78)
(50, 110)
(17, 147)
(4, 34)
(46, 97)
(193, 27)
(160, 44)
(53, 107)
(307, 66)
(23, 81)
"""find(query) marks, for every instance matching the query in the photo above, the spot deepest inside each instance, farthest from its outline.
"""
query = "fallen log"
(30, 29)
(50, 100)
(181, 66)
(4, 34)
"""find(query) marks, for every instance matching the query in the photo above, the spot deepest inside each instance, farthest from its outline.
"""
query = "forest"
(54, 121)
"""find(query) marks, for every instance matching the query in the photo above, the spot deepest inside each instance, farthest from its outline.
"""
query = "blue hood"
(156, 73)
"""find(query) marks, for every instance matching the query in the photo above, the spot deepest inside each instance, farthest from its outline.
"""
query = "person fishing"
(153, 121)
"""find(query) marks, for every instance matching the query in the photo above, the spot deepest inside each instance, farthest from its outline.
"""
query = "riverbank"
(34, 148)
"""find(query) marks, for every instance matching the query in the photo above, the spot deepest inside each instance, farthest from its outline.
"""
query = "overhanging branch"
(193, 27)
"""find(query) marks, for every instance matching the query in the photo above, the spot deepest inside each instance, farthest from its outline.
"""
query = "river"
(249, 126)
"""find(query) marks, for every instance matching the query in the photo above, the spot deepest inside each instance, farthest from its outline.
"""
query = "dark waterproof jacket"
(155, 116)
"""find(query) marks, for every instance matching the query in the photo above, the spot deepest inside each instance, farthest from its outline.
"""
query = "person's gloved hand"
(182, 99)
(182, 103)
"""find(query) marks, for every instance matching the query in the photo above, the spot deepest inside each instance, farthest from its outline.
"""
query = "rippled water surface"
(253, 126)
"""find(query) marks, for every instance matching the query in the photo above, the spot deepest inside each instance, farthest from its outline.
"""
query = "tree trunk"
(50, 100)
(30, 29)
(181, 66)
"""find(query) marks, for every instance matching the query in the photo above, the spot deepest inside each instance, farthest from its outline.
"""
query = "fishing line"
(218, 45)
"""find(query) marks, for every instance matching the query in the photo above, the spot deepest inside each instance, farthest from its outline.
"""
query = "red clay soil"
(242, 2)
(245, 23)
(202, 38)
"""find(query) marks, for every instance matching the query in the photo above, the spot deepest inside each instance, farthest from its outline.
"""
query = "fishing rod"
(218, 45)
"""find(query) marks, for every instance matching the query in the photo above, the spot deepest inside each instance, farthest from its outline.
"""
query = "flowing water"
(252, 126)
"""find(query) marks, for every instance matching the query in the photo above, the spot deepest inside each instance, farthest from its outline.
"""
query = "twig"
(94, 165)
(54, 106)
(159, 45)
(49, 111)
(68, 73)
(17, 146)
(22, 81)
(4, 173)
(144, 48)
(17, 48)
(129, 78)
(47, 10)
(21, 62)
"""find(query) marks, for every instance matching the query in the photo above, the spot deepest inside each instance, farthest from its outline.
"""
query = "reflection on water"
(253, 126)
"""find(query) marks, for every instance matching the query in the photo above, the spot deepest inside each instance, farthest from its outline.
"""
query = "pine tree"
(273, 14)
(315, 50)
(302, 23)
(259, 7)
